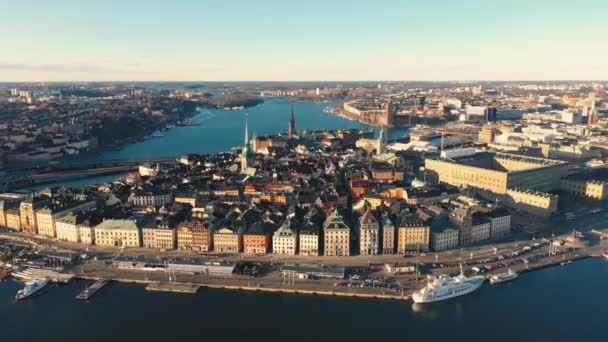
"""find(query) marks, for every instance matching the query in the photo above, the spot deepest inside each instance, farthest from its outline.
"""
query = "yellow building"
(413, 235)
(498, 172)
(227, 240)
(13, 218)
(585, 187)
(118, 233)
(337, 235)
(159, 236)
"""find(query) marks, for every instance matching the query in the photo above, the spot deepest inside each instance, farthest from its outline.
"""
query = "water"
(556, 304)
(221, 129)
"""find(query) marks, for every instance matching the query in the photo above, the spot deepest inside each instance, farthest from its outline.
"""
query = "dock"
(36, 273)
(92, 290)
(173, 287)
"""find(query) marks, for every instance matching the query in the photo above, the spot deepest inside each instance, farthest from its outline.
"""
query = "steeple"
(292, 124)
(246, 133)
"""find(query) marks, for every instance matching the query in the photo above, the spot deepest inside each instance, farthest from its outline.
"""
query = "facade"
(500, 223)
(256, 240)
(413, 236)
(227, 240)
(533, 202)
(118, 233)
(150, 199)
(46, 217)
(336, 235)
(480, 230)
(13, 218)
(369, 230)
(185, 239)
(388, 235)
(160, 236)
(585, 187)
(498, 172)
(285, 239)
(202, 237)
(444, 239)
(310, 242)
(27, 211)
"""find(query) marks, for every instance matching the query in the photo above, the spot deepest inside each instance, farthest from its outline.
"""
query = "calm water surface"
(557, 304)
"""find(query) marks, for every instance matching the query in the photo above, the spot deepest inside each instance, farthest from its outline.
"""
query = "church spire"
(246, 132)
(292, 124)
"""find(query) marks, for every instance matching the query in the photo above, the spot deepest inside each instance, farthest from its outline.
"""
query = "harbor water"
(555, 304)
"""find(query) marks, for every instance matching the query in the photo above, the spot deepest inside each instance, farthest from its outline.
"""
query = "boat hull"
(474, 285)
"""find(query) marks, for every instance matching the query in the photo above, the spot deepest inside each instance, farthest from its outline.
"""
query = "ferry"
(446, 287)
(503, 277)
(31, 287)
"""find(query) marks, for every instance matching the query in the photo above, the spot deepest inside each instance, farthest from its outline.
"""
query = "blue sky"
(206, 40)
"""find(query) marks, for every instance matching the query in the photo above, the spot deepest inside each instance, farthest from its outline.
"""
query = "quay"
(173, 287)
(93, 289)
(35, 273)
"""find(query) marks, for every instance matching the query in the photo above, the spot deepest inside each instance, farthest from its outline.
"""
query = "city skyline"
(315, 41)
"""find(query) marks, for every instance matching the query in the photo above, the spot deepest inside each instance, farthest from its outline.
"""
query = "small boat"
(157, 135)
(605, 255)
(30, 288)
(503, 277)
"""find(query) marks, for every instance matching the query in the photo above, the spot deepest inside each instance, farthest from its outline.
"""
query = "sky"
(311, 40)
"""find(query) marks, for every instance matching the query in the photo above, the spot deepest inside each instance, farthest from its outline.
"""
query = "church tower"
(246, 154)
(292, 124)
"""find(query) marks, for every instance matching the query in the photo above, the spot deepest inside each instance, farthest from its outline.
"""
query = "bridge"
(26, 176)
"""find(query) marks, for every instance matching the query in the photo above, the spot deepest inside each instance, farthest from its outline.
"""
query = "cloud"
(55, 67)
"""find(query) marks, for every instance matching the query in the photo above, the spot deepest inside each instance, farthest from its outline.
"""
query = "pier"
(92, 290)
(173, 287)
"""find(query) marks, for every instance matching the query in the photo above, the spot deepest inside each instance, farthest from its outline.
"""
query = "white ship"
(31, 287)
(503, 277)
(446, 287)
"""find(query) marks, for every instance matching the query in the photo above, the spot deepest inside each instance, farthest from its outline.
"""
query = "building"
(413, 235)
(13, 218)
(155, 198)
(498, 172)
(77, 228)
(336, 235)
(46, 217)
(480, 228)
(227, 240)
(118, 233)
(388, 234)
(185, 238)
(369, 230)
(593, 185)
(285, 239)
(310, 240)
(256, 239)
(500, 223)
(160, 236)
(444, 239)
(27, 210)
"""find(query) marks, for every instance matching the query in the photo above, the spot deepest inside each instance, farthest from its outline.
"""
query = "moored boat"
(446, 287)
(503, 277)
(30, 288)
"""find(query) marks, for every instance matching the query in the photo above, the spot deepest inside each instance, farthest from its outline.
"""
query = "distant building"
(309, 240)
(159, 236)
